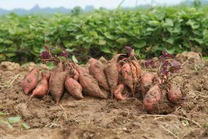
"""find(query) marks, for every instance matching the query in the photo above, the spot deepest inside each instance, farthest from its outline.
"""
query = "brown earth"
(99, 119)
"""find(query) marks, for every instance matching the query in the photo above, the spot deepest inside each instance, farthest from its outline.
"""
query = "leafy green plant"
(105, 32)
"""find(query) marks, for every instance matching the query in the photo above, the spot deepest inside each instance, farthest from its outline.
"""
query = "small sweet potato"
(118, 92)
(89, 85)
(174, 93)
(146, 82)
(127, 76)
(57, 85)
(30, 81)
(151, 98)
(96, 69)
(42, 87)
(73, 88)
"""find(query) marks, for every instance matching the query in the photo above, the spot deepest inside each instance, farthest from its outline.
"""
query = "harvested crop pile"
(121, 78)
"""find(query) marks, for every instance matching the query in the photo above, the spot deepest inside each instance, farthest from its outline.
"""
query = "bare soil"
(99, 118)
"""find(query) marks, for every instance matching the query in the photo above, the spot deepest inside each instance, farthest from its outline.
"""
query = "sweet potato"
(42, 87)
(127, 76)
(57, 85)
(118, 92)
(146, 82)
(138, 68)
(174, 93)
(73, 88)
(151, 98)
(96, 69)
(58, 69)
(89, 85)
(74, 74)
(112, 73)
(30, 81)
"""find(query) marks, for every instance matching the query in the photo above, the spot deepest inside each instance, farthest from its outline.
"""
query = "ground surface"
(110, 119)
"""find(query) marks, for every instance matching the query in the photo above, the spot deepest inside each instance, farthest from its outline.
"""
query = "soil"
(104, 119)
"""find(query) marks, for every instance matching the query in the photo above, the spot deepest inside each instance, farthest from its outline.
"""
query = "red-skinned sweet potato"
(42, 87)
(73, 88)
(58, 69)
(127, 79)
(118, 92)
(146, 82)
(89, 84)
(112, 73)
(96, 69)
(57, 85)
(30, 81)
(152, 97)
(174, 93)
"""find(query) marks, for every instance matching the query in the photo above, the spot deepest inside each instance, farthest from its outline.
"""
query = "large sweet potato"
(30, 81)
(73, 88)
(57, 85)
(127, 79)
(96, 69)
(151, 98)
(174, 93)
(57, 69)
(112, 73)
(89, 85)
(42, 87)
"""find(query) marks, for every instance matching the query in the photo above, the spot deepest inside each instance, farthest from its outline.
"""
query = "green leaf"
(193, 24)
(140, 44)
(105, 49)
(1, 113)
(102, 42)
(168, 23)
(14, 119)
(25, 126)
(170, 40)
(74, 59)
(153, 23)
(200, 41)
(7, 123)
(122, 40)
(160, 15)
(109, 36)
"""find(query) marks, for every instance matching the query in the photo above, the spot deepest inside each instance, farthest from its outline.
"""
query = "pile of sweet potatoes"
(120, 78)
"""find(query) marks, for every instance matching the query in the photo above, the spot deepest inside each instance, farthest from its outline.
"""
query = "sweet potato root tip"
(73, 88)
(151, 98)
(96, 69)
(118, 92)
(30, 81)
(174, 93)
(42, 87)
(57, 85)
(146, 82)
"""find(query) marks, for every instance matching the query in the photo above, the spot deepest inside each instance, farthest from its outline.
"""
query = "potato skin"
(151, 98)
(30, 81)
(96, 69)
(89, 84)
(118, 92)
(42, 87)
(57, 85)
(174, 93)
(146, 82)
(73, 88)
